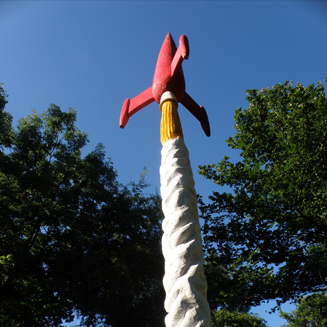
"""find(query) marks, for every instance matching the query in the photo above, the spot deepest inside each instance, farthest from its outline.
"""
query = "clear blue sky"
(92, 55)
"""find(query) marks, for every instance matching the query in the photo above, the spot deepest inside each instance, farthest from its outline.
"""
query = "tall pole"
(184, 281)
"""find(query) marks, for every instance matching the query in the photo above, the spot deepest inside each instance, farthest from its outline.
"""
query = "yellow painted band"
(170, 125)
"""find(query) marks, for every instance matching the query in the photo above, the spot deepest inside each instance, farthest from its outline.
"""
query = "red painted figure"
(168, 76)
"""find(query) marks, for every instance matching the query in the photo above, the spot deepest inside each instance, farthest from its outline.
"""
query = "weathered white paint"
(167, 96)
(184, 281)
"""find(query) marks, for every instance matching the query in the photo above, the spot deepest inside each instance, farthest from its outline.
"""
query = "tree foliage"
(311, 311)
(72, 239)
(266, 239)
(226, 318)
(6, 131)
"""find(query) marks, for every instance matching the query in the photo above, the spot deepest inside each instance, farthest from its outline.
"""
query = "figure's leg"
(181, 53)
(130, 107)
(198, 112)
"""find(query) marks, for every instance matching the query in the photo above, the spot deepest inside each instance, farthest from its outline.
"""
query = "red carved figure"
(168, 76)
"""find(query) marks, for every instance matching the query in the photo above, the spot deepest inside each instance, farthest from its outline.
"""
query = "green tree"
(266, 239)
(226, 318)
(311, 311)
(6, 131)
(72, 239)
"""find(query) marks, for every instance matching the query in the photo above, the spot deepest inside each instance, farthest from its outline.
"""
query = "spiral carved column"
(184, 281)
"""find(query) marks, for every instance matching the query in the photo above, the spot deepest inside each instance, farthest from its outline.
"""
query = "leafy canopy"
(311, 311)
(266, 239)
(72, 239)
(226, 318)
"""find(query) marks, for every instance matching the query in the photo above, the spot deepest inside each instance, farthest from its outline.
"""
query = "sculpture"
(168, 76)
(184, 280)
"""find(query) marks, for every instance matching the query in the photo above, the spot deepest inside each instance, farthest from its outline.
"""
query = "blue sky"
(92, 55)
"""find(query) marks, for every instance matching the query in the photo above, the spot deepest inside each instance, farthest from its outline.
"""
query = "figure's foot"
(205, 122)
(184, 46)
(124, 114)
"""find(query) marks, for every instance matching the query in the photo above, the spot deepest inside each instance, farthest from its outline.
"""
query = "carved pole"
(184, 281)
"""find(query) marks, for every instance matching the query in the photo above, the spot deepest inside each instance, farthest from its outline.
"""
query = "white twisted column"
(184, 282)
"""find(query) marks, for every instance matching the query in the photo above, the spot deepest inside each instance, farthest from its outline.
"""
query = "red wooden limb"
(168, 76)
(182, 53)
(197, 111)
(130, 107)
